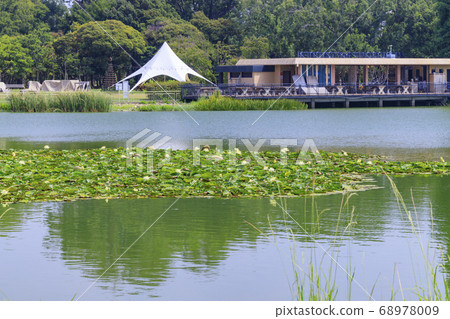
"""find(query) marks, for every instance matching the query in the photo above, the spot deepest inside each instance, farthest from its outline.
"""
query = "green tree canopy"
(21, 16)
(135, 13)
(215, 30)
(57, 16)
(212, 9)
(39, 46)
(443, 28)
(15, 62)
(255, 48)
(93, 47)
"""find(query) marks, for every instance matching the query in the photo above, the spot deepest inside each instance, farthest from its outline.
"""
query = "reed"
(316, 271)
(60, 102)
(434, 289)
(220, 103)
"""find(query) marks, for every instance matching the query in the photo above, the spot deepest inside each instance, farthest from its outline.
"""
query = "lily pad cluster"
(64, 175)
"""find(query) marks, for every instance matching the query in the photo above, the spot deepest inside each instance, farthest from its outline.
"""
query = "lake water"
(213, 249)
(234, 249)
(400, 133)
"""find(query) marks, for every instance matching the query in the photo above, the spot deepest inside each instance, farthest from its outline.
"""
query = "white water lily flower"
(196, 148)
(359, 160)
(265, 168)
(238, 151)
(273, 179)
(284, 150)
(178, 171)
(217, 157)
(271, 170)
(244, 162)
(115, 150)
(301, 163)
(146, 178)
(103, 148)
(21, 162)
(4, 192)
(46, 147)
(13, 154)
(123, 156)
(369, 162)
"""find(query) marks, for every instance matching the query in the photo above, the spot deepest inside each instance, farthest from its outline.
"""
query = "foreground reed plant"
(60, 102)
(434, 289)
(318, 275)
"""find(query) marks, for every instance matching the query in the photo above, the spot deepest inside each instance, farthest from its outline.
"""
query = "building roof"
(343, 61)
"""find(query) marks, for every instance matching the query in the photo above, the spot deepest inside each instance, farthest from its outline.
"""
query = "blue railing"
(302, 54)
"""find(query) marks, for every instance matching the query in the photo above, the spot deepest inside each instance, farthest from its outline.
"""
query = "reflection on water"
(403, 133)
(210, 249)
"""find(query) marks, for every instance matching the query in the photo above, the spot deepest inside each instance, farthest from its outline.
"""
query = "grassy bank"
(60, 102)
(103, 173)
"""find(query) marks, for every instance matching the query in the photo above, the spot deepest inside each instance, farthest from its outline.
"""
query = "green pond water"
(236, 249)
(209, 249)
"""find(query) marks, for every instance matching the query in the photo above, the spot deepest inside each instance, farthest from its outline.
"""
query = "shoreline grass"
(60, 102)
(52, 175)
(218, 104)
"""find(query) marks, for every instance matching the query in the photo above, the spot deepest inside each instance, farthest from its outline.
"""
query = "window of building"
(247, 74)
(234, 75)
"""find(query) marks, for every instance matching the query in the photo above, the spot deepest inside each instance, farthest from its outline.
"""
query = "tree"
(409, 27)
(212, 9)
(57, 17)
(67, 57)
(39, 46)
(21, 16)
(215, 30)
(443, 28)
(255, 48)
(92, 47)
(135, 13)
(15, 62)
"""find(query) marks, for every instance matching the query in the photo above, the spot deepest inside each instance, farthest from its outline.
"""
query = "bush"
(171, 85)
(60, 102)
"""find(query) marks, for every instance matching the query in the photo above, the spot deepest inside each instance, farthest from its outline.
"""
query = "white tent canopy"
(165, 62)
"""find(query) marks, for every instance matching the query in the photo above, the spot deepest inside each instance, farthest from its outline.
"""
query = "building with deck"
(317, 77)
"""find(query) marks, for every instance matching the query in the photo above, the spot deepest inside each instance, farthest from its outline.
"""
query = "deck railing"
(289, 90)
(346, 55)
